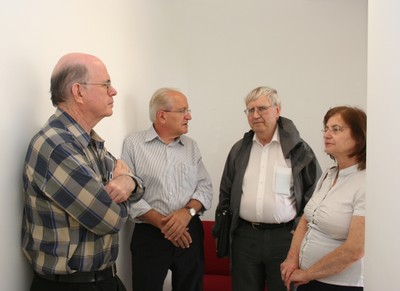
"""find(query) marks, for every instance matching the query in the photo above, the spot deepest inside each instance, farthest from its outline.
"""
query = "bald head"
(71, 68)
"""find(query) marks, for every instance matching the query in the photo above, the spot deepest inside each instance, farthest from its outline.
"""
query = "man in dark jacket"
(268, 178)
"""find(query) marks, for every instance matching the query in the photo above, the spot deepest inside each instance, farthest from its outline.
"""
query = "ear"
(161, 116)
(278, 111)
(77, 92)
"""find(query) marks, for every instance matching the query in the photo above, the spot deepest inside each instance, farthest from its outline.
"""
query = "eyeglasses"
(181, 111)
(105, 84)
(334, 129)
(260, 110)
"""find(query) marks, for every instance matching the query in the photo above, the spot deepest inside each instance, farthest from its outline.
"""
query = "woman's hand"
(287, 268)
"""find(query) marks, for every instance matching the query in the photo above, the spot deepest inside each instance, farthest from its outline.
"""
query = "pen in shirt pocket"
(109, 161)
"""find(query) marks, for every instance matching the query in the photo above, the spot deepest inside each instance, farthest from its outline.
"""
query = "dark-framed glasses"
(334, 129)
(260, 110)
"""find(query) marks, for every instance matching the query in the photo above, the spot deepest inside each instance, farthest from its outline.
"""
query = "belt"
(259, 225)
(82, 277)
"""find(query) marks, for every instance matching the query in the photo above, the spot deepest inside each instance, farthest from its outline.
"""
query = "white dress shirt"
(268, 185)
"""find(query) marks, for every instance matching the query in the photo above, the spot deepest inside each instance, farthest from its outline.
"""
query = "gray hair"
(62, 80)
(258, 92)
(160, 100)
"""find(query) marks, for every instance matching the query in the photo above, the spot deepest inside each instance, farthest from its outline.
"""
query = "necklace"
(335, 180)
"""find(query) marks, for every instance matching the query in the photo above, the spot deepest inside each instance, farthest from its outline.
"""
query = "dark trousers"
(256, 257)
(319, 286)
(153, 256)
(112, 284)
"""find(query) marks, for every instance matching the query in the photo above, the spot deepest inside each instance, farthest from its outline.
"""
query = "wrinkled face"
(177, 118)
(262, 117)
(98, 92)
(338, 140)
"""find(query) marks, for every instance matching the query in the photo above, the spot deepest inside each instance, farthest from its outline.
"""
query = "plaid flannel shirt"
(70, 223)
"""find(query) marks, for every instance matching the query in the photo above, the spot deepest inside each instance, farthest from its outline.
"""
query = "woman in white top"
(328, 245)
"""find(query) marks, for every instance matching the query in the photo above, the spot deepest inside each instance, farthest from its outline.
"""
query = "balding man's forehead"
(75, 59)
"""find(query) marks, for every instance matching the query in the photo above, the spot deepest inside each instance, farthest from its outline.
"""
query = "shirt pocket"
(188, 176)
(282, 180)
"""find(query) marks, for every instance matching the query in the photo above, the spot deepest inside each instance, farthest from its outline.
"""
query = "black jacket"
(305, 171)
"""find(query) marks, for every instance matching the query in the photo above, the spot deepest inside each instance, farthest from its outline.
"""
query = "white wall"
(312, 52)
(382, 235)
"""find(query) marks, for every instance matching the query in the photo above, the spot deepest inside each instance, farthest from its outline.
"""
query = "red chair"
(217, 276)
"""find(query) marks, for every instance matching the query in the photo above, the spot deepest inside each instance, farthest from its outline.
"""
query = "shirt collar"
(76, 130)
(152, 134)
(275, 138)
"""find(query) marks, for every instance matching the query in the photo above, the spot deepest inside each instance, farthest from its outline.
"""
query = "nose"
(327, 134)
(256, 114)
(112, 91)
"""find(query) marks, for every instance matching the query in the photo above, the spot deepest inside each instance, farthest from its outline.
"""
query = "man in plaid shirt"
(77, 196)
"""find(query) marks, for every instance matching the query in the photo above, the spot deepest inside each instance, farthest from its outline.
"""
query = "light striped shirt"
(172, 173)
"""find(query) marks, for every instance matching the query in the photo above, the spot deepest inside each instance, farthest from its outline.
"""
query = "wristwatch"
(192, 211)
(139, 188)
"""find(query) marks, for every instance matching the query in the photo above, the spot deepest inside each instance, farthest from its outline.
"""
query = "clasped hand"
(175, 228)
(291, 274)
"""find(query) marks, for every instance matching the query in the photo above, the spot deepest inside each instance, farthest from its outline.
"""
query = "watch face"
(192, 211)
(137, 195)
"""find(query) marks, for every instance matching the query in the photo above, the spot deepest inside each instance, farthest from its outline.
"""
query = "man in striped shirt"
(168, 233)
(76, 195)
